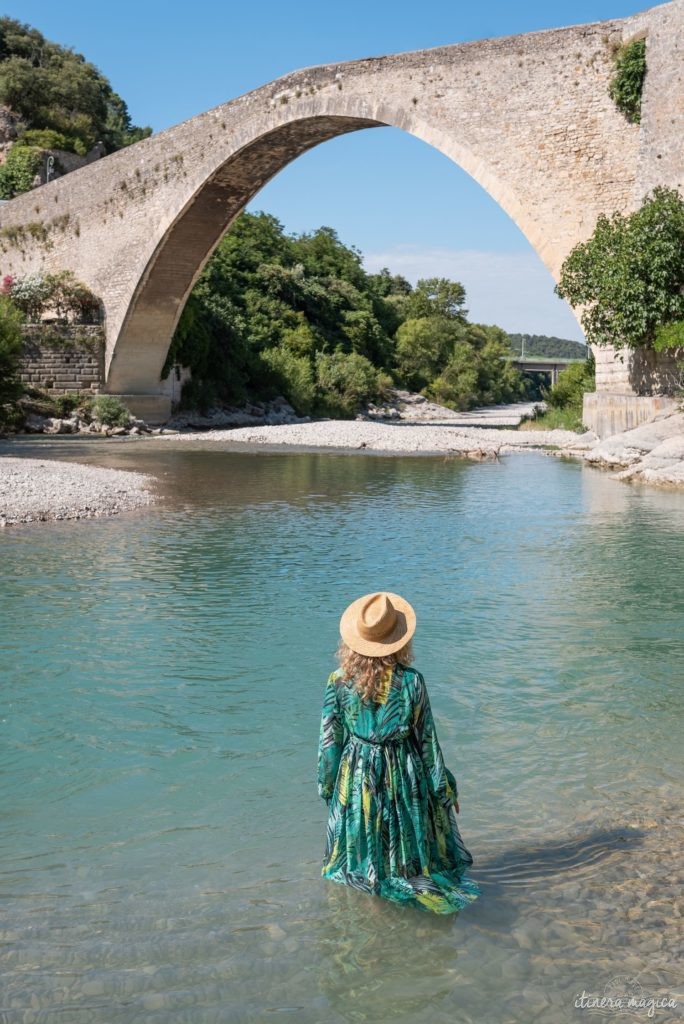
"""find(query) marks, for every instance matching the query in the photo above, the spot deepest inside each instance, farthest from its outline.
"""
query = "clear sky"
(403, 204)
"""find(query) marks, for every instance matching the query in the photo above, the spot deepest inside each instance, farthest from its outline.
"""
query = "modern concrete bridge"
(544, 364)
(528, 117)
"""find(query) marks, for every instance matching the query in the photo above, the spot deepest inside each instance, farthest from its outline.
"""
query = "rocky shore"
(39, 490)
(652, 453)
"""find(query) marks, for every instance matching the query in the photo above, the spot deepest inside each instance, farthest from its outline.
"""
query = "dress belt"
(391, 741)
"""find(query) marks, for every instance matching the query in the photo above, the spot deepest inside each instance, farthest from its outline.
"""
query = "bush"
(72, 300)
(111, 411)
(571, 384)
(669, 336)
(36, 294)
(423, 347)
(627, 83)
(293, 377)
(564, 398)
(43, 138)
(345, 381)
(10, 353)
(19, 170)
(629, 276)
(65, 404)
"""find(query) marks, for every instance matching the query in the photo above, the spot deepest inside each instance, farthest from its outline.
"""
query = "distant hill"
(543, 345)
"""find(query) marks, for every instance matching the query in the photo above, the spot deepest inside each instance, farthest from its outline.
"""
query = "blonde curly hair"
(366, 672)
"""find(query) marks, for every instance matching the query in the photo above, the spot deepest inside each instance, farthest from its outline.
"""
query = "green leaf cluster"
(55, 89)
(564, 399)
(628, 278)
(298, 315)
(19, 170)
(627, 83)
(10, 353)
(110, 410)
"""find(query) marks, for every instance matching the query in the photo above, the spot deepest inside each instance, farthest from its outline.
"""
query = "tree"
(10, 352)
(479, 371)
(437, 297)
(629, 276)
(52, 87)
(423, 348)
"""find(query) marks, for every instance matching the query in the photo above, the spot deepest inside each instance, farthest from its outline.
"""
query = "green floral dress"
(392, 827)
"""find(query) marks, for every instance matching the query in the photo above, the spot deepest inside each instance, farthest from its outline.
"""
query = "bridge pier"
(632, 386)
(154, 409)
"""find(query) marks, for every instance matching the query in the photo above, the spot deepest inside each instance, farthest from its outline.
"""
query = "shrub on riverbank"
(110, 410)
(564, 399)
(10, 352)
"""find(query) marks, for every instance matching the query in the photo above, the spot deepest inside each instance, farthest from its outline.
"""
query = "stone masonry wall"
(638, 371)
(61, 358)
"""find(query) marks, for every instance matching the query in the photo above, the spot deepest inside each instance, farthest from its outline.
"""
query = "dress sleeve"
(440, 780)
(330, 741)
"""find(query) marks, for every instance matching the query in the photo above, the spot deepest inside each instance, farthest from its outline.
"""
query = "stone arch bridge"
(528, 117)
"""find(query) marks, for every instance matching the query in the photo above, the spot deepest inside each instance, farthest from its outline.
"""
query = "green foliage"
(68, 299)
(19, 170)
(66, 403)
(298, 315)
(627, 83)
(478, 371)
(571, 384)
(345, 381)
(437, 297)
(629, 276)
(423, 348)
(564, 398)
(554, 419)
(10, 352)
(43, 138)
(546, 346)
(668, 336)
(293, 377)
(110, 410)
(52, 87)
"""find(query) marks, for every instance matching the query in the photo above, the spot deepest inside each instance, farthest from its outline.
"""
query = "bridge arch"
(182, 252)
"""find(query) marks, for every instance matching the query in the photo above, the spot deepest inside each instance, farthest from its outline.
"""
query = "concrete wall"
(607, 414)
(63, 358)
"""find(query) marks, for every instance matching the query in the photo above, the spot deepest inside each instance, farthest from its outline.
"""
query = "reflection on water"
(162, 679)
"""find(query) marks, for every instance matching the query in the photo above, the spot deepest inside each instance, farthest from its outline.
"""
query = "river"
(163, 672)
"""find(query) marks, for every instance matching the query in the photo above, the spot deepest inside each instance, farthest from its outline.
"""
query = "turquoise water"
(162, 674)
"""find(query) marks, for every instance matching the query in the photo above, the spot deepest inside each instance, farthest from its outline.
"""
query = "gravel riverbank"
(37, 490)
(396, 437)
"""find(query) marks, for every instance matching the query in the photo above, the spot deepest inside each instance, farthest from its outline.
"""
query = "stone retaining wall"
(61, 358)
(637, 371)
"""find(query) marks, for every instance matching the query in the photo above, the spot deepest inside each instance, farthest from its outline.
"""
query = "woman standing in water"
(392, 802)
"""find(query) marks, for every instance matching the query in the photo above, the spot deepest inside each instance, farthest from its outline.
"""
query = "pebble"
(38, 490)
(478, 442)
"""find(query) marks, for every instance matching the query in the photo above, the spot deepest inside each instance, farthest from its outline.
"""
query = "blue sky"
(403, 204)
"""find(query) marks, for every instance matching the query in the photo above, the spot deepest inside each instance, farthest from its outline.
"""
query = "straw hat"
(378, 624)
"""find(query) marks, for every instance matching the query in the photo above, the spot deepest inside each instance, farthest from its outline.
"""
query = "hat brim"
(404, 628)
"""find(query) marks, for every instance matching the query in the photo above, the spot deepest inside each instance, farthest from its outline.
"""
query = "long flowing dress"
(392, 828)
